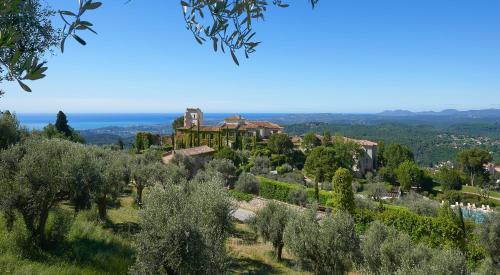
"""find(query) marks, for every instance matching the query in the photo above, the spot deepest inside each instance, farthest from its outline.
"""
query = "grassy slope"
(92, 248)
(472, 189)
(250, 256)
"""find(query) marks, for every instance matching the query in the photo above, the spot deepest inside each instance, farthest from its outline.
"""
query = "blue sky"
(343, 56)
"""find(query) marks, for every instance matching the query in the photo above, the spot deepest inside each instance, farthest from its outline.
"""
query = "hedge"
(276, 190)
(240, 196)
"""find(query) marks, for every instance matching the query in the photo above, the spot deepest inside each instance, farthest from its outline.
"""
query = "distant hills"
(484, 113)
(487, 119)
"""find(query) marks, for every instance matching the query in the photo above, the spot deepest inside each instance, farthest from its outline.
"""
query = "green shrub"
(240, 196)
(276, 190)
(247, 183)
(298, 196)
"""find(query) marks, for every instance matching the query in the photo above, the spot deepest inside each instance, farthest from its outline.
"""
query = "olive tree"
(261, 165)
(147, 172)
(489, 235)
(114, 173)
(10, 129)
(330, 246)
(81, 176)
(387, 251)
(223, 166)
(247, 183)
(32, 182)
(183, 232)
(270, 222)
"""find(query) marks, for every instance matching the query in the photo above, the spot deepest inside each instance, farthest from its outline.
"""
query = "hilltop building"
(235, 131)
(366, 162)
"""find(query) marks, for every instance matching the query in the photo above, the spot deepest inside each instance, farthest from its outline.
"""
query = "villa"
(234, 131)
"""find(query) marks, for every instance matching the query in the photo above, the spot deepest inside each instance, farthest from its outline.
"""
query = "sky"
(344, 56)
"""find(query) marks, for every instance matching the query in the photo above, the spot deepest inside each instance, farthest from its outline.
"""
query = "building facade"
(235, 131)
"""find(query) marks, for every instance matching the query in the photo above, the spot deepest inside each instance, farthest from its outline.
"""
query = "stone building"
(234, 131)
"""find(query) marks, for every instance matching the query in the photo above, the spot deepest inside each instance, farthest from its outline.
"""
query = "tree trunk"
(139, 194)
(316, 190)
(101, 206)
(472, 179)
(278, 251)
(40, 230)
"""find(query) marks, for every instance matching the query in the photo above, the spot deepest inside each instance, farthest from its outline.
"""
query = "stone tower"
(193, 117)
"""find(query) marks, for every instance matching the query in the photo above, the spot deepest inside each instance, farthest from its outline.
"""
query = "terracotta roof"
(195, 151)
(235, 117)
(296, 139)
(362, 142)
(203, 128)
(263, 124)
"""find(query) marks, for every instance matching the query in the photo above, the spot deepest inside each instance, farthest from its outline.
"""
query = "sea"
(88, 121)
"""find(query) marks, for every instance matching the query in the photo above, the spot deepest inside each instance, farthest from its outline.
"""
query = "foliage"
(261, 165)
(271, 189)
(32, 182)
(183, 232)
(279, 144)
(323, 158)
(144, 140)
(187, 163)
(10, 129)
(26, 34)
(283, 169)
(62, 124)
(450, 178)
(310, 141)
(232, 155)
(376, 190)
(225, 167)
(270, 222)
(387, 251)
(396, 154)
(247, 183)
(178, 123)
(433, 231)
(147, 172)
(230, 24)
(240, 196)
(419, 204)
(453, 196)
(330, 247)
(472, 161)
(343, 196)
(409, 175)
(489, 235)
(298, 196)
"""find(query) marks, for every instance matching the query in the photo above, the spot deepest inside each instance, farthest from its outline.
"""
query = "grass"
(472, 189)
(86, 246)
(91, 247)
(248, 255)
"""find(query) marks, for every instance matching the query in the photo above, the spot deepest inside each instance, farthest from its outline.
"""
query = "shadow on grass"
(103, 256)
(126, 228)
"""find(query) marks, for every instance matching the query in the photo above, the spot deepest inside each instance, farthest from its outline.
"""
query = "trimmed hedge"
(276, 190)
(240, 196)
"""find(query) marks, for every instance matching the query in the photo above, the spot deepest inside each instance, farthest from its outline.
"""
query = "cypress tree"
(343, 196)
(62, 124)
